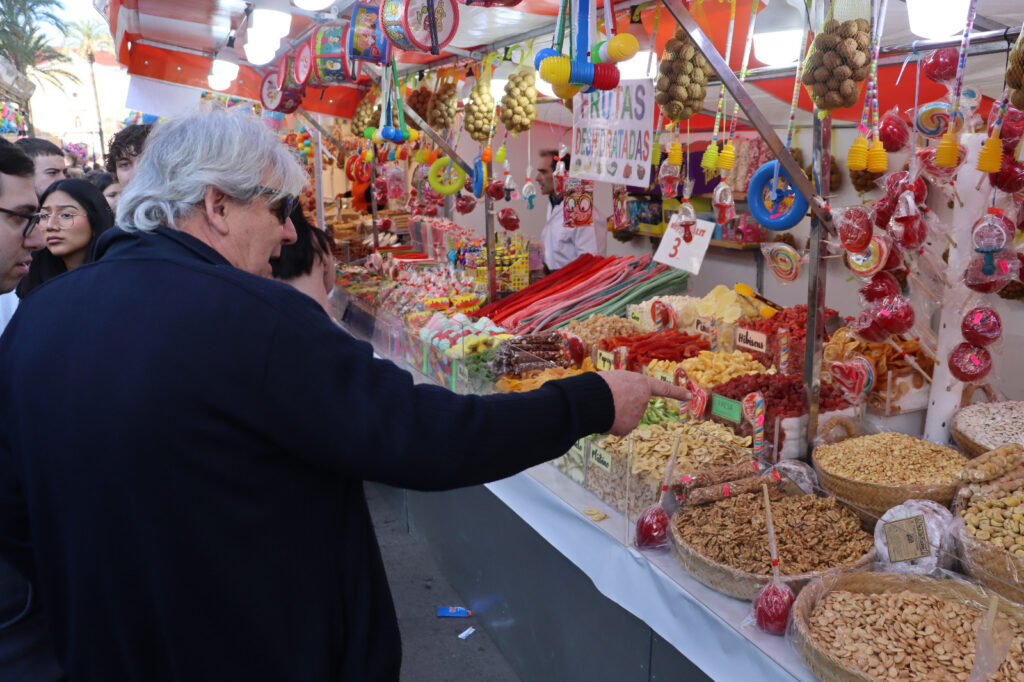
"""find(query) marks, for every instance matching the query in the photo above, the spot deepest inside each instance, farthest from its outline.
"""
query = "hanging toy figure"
(529, 189)
(671, 170)
(509, 184)
(561, 173)
(684, 220)
(723, 202)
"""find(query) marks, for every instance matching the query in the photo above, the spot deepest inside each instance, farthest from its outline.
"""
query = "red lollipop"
(509, 219)
(496, 190)
(909, 233)
(895, 259)
(895, 314)
(977, 280)
(970, 363)
(652, 528)
(940, 65)
(981, 326)
(385, 224)
(898, 182)
(1012, 130)
(1010, 177)
(465, 203)
(879, 286)
(893, 131)
(867, 326)
(772, 607)
(854, 226)
(883, 208)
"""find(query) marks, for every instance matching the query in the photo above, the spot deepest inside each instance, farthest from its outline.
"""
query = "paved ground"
(432, 650)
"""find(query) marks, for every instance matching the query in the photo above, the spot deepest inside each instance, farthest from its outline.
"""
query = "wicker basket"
(870, 500)
(741, 584)
(971, 448)
(827, 667)
(990, 565)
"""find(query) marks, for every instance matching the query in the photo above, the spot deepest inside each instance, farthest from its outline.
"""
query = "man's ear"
(216, 205)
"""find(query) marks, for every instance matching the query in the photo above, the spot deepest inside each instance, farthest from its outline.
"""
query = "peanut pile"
(813, 533)
(907, 636)
(891, 459)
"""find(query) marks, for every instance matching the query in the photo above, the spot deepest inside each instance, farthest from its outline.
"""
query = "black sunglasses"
(31, 220)
(281, 208)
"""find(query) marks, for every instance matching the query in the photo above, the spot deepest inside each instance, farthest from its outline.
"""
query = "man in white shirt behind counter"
(562, 244)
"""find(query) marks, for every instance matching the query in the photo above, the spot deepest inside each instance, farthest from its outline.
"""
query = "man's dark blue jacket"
(182, 453)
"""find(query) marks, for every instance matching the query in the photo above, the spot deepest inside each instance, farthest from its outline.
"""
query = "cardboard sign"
(613, 133)
(748, 339)
(685, 250)
(605, 360)
(726, 408)
(636, 316)
(907, 539)
(702, 325)
(578, 451)
(662, 375)
(601, 459)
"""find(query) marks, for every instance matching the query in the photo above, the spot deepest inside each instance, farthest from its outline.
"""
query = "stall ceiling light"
(937, 19)
(270, 22)
(635, 67)
(224, 68)
(217, 82)
(312, 5)
(777, 34)
(260, 51)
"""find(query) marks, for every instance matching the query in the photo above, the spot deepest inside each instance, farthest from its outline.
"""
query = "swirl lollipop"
(872, 260)
(933, 119)
(783, 261)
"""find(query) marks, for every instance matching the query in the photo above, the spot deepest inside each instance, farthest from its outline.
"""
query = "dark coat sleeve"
(339, 407)
(15, 544)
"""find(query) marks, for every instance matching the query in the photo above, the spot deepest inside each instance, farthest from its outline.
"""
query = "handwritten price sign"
(686, 250)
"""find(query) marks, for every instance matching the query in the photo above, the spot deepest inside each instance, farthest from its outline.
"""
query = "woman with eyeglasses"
(72, 216)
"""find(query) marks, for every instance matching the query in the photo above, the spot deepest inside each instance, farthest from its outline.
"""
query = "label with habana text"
(602, 459)
(748, 339)
(907, 539)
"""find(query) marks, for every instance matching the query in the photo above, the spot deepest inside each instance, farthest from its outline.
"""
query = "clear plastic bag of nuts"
(888, 626)
(840, 57)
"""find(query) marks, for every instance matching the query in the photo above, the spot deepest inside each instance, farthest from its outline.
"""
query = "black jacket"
(182, 452)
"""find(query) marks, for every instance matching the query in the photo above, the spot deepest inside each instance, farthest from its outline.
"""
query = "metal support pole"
(318, 176)
(492, 274)
(373, 197)
(818, 270)
(757, 119)
(315, 123)
(439, 140)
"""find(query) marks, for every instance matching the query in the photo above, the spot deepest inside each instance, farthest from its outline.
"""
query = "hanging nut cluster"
(419, 101)
(443, 106)
(1015, 73)
(363, 117)
(682, 85)
(480, 111)
(838, 62)
(519, 103)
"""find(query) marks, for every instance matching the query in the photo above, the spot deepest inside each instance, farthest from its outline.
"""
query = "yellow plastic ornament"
(675, 154)
(990, 158)
(857, 157)
(367, 156)
(878, 162)
(656, 154)
(947, 155)
(622, 46)
(709, 162)
(727, 158)
(413, 135)
(418, 156)
(556, 70)
(377, 137)
(564, 90)
(500, 156)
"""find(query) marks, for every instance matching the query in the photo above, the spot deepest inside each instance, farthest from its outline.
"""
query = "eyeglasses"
(62, 219)
(31, 220)
(281, 208)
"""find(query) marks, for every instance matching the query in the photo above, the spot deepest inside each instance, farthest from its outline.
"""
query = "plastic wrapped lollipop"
(529, 189)
(723, 202)
(509, 184)
(652, 526)
(906, 227)
(775, 600)
(561, 173)
(671, 170)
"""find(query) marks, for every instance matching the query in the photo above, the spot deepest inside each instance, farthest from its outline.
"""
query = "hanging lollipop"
(671, 171)
(727, 157)
(709, 162)
(947, 154)
(774, 204)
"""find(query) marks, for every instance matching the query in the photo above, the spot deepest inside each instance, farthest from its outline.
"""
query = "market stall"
(832, 463)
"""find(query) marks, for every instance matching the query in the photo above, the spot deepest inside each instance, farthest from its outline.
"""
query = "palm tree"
(88, 37)
(24, 45)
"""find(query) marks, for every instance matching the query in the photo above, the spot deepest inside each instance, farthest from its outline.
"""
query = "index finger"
(667, 390)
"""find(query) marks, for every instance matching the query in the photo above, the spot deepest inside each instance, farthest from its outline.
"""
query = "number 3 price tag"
(685, 249)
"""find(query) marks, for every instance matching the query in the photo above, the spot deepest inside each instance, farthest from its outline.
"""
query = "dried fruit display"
(519, 103)
(1015, 73)
(682, 83)
(907, 636)
(838, 62)
(891, 459)
(813, 533)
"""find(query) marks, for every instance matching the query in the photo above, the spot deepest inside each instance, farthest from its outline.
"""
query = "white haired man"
(189, 517)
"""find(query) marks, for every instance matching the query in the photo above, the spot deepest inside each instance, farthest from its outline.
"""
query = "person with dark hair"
(48, 159)
(73, 215)
(26, 652)
(307, 264)
(562, 245)
(125, 148)
(107, 184)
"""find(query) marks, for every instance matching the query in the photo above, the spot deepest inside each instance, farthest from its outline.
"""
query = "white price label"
(685, 250)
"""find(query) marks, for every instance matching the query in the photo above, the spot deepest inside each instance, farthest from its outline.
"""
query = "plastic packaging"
(938, 524)
(465, 203)
(839, 60)
(940, 65)
(900, 181)
(879, 287)
(981, 326)
(970, 363)
(561, 173)
(893, 131)
(800, 473)
(508, 219)
(652, 528)
(668, 179)
(907, 227)
(723, 202)
(895, 314)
